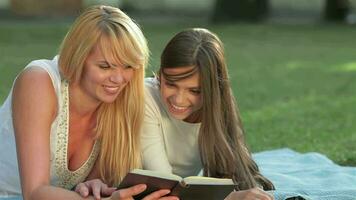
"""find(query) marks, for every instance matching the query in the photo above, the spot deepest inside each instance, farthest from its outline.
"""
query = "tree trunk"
(336, 10)
(240, 10)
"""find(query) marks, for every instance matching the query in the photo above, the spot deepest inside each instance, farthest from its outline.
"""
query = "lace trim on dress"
(66, 178)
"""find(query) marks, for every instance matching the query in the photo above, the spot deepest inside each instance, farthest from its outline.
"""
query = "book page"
(156, 174)
(195, 180)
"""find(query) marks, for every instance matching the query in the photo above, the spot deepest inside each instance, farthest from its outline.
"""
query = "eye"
(127, 67)
(104, 66)
(169, 84)
(195, 91)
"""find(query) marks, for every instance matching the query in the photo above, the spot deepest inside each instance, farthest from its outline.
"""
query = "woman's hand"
(251, 194)
(97, 188)
(128, 193)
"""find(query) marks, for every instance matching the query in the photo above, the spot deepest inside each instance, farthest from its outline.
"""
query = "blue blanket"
(311, 175)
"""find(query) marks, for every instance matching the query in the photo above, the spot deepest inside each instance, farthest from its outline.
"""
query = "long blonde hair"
(118, 123)
(223, 151)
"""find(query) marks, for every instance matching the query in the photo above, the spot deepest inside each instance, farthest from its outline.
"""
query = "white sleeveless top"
(60, 175)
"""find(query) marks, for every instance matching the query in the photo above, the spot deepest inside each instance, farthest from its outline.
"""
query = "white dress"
(60, 175)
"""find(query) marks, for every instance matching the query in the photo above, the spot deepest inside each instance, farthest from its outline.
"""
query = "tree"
(240, 10)
(336, 10)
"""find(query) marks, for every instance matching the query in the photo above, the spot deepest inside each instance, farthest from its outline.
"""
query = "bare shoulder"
(32, 76)
(34, 90)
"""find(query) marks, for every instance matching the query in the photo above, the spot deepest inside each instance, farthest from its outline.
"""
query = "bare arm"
(34, 109)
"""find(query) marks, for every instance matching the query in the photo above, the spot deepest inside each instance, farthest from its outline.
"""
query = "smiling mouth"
(111, 89)
(177, 109)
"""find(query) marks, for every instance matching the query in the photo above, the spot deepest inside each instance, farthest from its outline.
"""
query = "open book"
(189, 188)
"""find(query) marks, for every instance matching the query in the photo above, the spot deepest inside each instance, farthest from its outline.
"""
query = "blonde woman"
(81, 109)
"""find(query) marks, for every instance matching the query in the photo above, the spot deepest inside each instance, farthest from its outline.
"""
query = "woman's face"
(182, 98)
(103, 77)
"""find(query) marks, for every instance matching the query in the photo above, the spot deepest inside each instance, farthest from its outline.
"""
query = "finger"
(157, 194)
(107, 191)
(169, 198)
(82, 190)
(96, 188)
(131, 191)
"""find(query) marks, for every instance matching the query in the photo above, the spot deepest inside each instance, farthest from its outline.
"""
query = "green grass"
(295, 85)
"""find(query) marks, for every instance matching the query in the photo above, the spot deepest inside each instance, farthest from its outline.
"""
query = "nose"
(179, 98)
(117, 76)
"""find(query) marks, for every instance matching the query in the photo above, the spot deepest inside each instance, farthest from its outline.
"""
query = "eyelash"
(169, 84)
(108, 66)
(195, 92)
(104, 66)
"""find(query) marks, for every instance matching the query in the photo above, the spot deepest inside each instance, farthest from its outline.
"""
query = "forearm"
(54, 193)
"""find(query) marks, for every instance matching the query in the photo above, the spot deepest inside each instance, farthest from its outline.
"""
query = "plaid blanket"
(306, 176)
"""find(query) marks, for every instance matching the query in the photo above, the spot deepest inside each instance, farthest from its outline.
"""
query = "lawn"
(295, 84)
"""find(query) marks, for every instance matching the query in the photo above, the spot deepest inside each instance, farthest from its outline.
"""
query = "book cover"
(189, 188)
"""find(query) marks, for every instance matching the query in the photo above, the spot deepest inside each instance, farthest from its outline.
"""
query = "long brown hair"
(223, 151)
(118, 123)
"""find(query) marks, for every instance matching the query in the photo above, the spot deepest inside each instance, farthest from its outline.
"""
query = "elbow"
(34, 194)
